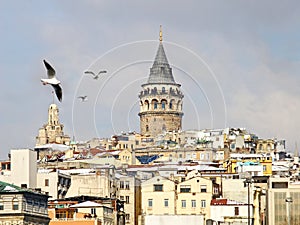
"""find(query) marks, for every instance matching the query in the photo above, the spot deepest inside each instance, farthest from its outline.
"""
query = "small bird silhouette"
(95, 76)
(52, 80)
(83, 98)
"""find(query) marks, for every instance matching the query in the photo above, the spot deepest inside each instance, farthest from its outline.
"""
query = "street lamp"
(248, 182)
(288, 201)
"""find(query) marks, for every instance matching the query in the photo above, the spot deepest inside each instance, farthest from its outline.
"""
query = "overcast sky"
(238, 63)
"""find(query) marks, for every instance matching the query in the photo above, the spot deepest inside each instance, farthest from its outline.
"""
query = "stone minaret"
(160, 98)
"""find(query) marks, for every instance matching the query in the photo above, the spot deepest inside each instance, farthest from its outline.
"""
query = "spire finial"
(52, 97)
(160, 34)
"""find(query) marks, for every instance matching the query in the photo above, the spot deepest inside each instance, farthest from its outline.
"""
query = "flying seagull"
(52, 80)
(83, 98)
(94, 75)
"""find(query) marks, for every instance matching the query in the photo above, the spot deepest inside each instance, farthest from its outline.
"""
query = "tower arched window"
(163, 104)
(154, 104)
(147, 104)
(163, 90)
(147, 128)
(171, 104)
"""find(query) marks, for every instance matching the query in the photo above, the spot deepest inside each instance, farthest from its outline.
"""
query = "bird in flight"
(52, 80)
(83, 98)
(95, 76)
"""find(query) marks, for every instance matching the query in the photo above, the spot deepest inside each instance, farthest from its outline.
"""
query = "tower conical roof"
(161, 72)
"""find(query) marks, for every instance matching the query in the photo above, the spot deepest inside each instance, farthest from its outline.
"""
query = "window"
(236, 211)
(127, 199)
(147, 128)
(3, 166)
(185, 188)
(155, 105)
(1, 205)
(121, 184)
(166, 201)
(150, 203)
(264, 167)
(193, 203)
(122, 198)
(158, 187)
(127, 216)
(15, 204)
(203, 188)
(127, 185)
(203, 203)
(183, 203)
(93, 211)
(202, 156)
(47, 182)
(163, 90)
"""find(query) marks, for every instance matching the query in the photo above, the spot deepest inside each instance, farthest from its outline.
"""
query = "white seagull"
(83, 98)
(52, 80)
(94, 75)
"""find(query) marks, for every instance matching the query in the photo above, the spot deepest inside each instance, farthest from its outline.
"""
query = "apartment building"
(22, 206)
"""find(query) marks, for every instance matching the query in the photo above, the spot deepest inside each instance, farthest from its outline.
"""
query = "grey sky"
(252, 47)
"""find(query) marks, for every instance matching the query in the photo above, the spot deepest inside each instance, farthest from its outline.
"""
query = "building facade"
(22, 206)
(160, 98)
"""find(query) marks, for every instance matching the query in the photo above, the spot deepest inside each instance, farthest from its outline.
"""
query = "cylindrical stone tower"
(160, 98)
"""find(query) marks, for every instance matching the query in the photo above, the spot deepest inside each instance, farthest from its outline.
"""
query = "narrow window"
(193, 203)
(183, 203)
(127, 199)
(236, 211)
(166, 201)
(121, 184)
(127, 185)
(15, 204)
(127, 216)
(203, 203)
(47, 182)
(150, 203)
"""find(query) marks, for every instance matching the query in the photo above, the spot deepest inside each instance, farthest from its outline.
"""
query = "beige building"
(22, 206)
(53, 183)
(194, 196)
(23, 168)
(129, 191)
(162, 196)
(52, 132)
(283, 202)
(158, 196)
(92, 182)
(160, 98)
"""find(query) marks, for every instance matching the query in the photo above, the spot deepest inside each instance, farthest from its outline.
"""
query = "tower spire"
(160, 34)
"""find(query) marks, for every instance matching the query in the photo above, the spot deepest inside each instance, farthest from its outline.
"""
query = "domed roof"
(53, 106)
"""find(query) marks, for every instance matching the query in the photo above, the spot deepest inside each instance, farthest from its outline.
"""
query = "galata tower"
(160, 98)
